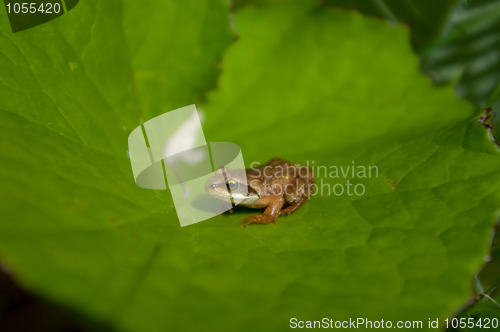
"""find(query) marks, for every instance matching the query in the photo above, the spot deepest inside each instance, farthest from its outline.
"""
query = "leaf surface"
(301, 83)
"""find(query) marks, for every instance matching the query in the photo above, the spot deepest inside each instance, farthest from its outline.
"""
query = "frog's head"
(227, 184)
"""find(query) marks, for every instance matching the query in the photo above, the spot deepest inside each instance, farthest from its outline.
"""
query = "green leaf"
(457, 40)
(301, 83)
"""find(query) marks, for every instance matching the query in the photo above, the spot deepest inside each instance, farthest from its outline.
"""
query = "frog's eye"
(233, 184)
(213, 185)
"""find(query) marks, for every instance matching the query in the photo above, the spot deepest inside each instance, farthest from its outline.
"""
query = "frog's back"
(280, 177)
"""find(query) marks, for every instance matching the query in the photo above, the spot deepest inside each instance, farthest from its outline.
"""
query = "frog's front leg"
(273, 205)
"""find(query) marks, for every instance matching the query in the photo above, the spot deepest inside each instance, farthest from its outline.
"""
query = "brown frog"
(277, 186)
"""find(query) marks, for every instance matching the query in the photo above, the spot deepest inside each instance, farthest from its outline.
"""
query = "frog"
(277, 186)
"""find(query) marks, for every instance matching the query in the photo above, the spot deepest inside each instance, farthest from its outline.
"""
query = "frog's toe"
(259, 219)
(248, 220)
(286, 212)
(243, 221)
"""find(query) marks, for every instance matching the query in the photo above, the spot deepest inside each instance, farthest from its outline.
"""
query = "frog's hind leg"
(294, 206)
(273, 205)
(303, 192)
